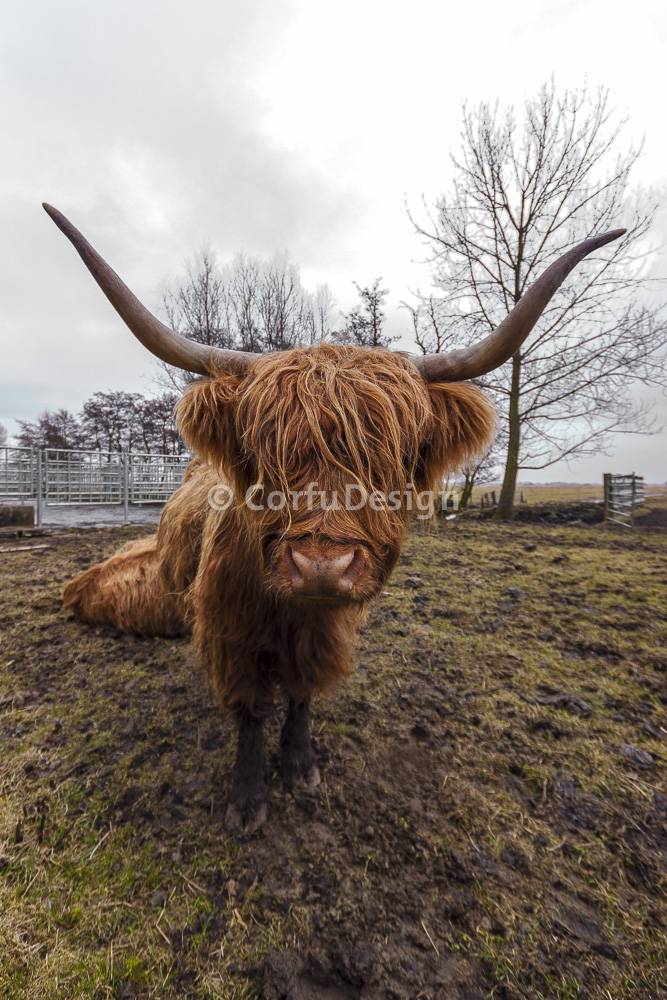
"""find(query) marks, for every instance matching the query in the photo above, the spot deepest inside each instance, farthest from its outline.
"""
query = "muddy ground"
(492, 820)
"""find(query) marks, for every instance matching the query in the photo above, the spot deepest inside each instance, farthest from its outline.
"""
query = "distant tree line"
(249, 304)
(108, 421)
(259, 305)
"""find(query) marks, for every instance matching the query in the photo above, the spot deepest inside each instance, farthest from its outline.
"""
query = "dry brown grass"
(561, 493)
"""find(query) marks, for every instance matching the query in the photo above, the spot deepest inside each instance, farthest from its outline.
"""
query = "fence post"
(39, 488)
(607, 490)
(126, 490)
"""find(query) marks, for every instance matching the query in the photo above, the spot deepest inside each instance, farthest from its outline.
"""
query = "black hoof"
(245, 815)
(299, 770)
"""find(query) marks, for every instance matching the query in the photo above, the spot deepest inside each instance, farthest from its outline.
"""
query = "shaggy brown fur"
(328, 414)
(331, 415)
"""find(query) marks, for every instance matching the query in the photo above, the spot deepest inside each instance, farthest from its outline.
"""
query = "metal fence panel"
(18, 474)
(82, 477)
(153, 478)
(59, 476)
(622, 495)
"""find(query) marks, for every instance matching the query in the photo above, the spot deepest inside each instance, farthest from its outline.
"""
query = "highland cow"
(272, 592)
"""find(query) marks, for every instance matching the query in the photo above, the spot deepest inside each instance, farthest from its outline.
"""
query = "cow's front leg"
(297, 760)
(246, 810)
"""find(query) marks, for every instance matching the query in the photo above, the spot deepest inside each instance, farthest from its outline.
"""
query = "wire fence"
(73, 477)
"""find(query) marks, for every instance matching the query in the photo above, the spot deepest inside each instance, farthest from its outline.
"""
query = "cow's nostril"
(323, 571)
(353, 571)
(294, 573)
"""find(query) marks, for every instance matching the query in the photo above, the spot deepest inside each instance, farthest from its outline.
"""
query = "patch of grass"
(478, 806)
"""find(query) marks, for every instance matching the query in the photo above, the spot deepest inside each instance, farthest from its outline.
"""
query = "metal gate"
(18, 474)
(82, 477)
(153, 478)
(622, 495)
(58, 477)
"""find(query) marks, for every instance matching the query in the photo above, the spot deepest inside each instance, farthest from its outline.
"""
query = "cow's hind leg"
(247, 810)
(127, 591)
(297, 759)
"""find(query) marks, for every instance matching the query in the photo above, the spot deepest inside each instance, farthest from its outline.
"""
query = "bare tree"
(157, 426)
(110, 420)
(521, 196)
(485, 470)
(198, 307)
(58, 429)
(242, 285)
(251, 305)
(363, 325)
(321, 318)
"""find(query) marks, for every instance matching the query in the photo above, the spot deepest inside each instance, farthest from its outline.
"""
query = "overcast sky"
(266, 125)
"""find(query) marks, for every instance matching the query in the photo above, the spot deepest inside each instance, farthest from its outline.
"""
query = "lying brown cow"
(293, 515)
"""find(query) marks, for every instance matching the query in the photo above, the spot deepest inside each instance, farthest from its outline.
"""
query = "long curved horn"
(160, 340)
(506, 339)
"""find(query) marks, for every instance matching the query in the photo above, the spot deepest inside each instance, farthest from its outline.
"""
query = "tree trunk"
(505, 510)
(466, 492)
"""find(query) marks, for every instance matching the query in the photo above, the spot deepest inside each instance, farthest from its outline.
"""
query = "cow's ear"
(206, 417)
(464, 423)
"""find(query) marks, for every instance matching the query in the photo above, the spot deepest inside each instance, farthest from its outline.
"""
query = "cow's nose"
(323, 573)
